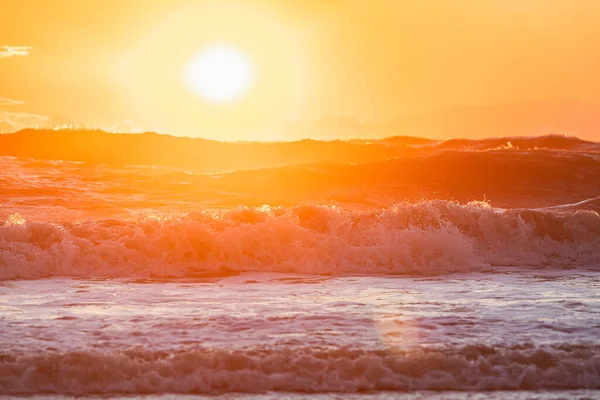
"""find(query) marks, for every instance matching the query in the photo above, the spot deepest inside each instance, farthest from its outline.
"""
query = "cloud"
(10, 102)
(11, 121)
(17, 120)
(12, 51)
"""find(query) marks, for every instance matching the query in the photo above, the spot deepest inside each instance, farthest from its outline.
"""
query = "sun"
(222, 70)
(220, 74)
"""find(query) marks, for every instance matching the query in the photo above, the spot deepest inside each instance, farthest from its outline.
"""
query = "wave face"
(432, 237)
(549, 142)
(302, 370)
(509, 178)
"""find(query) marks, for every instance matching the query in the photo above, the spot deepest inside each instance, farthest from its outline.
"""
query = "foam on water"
(301, 370)
(257, 333)
(425, 238)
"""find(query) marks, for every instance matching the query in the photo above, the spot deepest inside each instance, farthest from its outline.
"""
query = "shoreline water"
(264, 332)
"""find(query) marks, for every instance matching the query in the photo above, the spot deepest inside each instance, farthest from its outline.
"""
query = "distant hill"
(563, 116)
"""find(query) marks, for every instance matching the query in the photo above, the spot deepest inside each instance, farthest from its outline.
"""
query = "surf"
(431, 237)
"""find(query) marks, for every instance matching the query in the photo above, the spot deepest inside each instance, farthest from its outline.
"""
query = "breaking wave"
(302, 370)
(549, 142)
(433, 237)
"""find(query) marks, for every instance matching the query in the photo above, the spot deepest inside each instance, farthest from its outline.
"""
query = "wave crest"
(425, 238)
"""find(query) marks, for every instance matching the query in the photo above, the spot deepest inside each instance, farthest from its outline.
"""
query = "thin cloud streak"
(10, 102)
(18, 120)
(14, 51)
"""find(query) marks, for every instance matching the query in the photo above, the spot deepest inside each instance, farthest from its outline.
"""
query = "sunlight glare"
(220, 74)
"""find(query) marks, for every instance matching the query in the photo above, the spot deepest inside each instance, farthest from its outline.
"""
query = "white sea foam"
(301, 370)
(431, 237)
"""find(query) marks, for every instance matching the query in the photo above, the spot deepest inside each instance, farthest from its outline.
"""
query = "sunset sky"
(121, 64)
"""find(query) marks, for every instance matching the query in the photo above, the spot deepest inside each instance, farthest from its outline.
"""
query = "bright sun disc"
(220, 74)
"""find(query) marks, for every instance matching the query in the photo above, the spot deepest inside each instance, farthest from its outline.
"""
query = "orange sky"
(116, 64)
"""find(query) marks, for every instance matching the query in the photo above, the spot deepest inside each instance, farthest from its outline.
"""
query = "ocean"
(377, 269)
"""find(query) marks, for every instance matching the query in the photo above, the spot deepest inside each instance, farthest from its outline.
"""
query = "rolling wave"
(97, 147)
(548, 142)
(43, 190)
(308, 370)
(432, 237)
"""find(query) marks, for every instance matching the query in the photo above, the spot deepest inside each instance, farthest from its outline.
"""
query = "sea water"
(152, 282)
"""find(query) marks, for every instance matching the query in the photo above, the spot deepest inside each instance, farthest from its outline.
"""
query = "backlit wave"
(433, 237)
